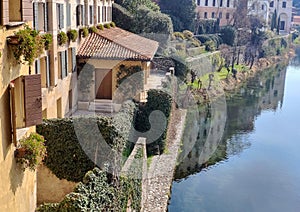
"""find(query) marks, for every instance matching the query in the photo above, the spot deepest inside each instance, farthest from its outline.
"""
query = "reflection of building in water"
(274, 91)
(264, 91)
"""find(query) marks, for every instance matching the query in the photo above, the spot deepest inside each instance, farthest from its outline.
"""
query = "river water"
(255, 165)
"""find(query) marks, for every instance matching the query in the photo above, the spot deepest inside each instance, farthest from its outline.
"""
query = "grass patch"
(149, 160)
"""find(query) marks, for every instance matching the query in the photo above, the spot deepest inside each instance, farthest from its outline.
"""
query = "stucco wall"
(50, 188)
(17, 187)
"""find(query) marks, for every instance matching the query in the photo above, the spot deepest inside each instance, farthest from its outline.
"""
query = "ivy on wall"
(156, 100)
(66, 157)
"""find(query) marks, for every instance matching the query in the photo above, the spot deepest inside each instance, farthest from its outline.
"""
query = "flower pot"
(20, 152)
(13, 39)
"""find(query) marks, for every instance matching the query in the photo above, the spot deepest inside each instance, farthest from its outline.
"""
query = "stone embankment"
(161, 170)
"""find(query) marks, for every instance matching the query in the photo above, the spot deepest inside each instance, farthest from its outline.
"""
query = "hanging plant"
(62, 38)
(107, 26)
(93, 29)
(31, 151)
(112, 24)
(100, 26)
(30, 45)
(72, 35)
(48, 38)
(84, 32)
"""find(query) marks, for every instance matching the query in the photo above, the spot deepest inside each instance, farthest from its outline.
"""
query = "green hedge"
(67, 156)
(156, 100)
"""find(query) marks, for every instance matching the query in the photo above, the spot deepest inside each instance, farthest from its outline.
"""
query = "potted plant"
(93, 29)
(62, 38)
(112, 24)
(30, 45)
(100, 26)
(48, 38)
(107, 26)
(72, 35)
(31, 151)
(84, 32)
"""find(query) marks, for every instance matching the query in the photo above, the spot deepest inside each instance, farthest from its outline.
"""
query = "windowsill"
(14, 24)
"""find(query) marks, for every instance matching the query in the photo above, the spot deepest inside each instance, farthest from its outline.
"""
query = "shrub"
(188, 34)
(210, 46)
(62, 38)
(228, 35)
(72, 35)
(178, 35)
(156, 100)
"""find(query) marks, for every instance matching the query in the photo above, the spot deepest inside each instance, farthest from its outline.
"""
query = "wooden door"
(104, 84)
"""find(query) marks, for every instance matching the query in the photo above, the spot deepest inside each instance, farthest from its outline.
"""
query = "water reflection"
(264, 92)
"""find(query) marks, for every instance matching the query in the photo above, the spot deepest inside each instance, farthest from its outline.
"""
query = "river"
(255, 165)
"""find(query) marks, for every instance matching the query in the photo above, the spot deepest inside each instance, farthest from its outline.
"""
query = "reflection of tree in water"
(296, 60)
(263, 92)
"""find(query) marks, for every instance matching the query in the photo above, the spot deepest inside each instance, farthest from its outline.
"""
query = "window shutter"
(47, 71)
(83, 15)
(68, 14)
(27, 10)
(5, 12)
(32, 99)
(63, 64)
(36, 15)
(62, 17)
(45, 17)
(73, 59)
(66, 63)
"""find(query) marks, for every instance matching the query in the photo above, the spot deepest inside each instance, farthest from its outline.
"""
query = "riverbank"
(230, 83)
(161, 170)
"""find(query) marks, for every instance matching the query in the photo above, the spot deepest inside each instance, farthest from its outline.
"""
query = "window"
(37, 68)
(282, 25)
(228, 3)
(40, 16)
(284, 4)
(227, 15)
(214, 3)
(60, 15)
(68, 15)
(99, 14)
(205, 14)
(109, 14)
(220, 15)
(262, 7)
(45, 71)
(212, 15)
(71, 60)
(103, 14)
(198, 2)
(63, 64)
(79, 15)
(206, 2)
(70, 99)
(272, 4)
(91, 14)
(221, 3)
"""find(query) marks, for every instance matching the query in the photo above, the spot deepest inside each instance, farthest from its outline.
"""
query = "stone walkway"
(161, 170)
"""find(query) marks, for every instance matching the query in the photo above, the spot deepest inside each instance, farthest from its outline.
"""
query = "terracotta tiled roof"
(116, 43)
(296, 19)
